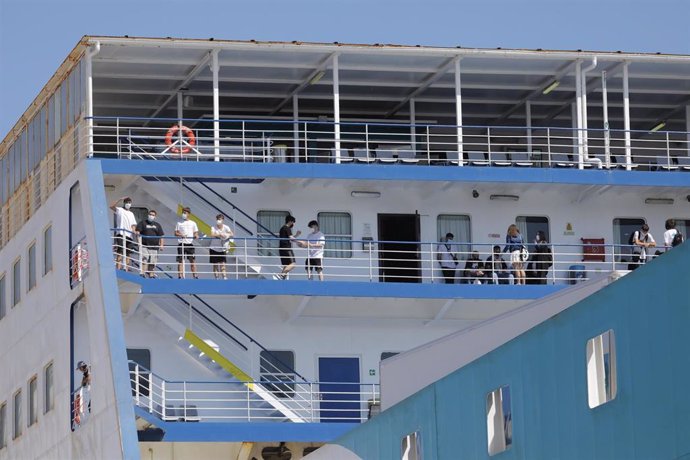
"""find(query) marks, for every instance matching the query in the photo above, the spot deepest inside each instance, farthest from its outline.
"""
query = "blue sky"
(36, 35)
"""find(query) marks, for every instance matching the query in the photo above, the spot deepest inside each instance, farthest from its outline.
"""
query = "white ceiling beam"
(298, 311)
(429, 80)
(441, 313)
(321, 67)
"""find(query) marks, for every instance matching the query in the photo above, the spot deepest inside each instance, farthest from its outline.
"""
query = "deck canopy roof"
(141, 77)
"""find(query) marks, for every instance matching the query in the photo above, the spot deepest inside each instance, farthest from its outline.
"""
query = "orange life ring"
(191, 139)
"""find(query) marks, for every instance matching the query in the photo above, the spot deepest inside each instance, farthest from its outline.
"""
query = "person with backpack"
(672, 237)
(641, 240)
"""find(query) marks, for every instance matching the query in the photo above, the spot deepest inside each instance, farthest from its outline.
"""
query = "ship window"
(269, 222)
(49, 388)
(411, 447)
(3, 297)
(3, 423)
(142, 357)
(530, 225)
(277, 366)
(33, 400)
(601, 369)
(459, 226)
(31, 281)
(499, 420)
(64, 106)
(622, 229)
(17, 419)
(47, 250)
(336, 226)
(16, 282)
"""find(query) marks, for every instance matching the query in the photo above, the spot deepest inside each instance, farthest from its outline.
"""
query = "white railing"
(355, 260)
(204, 401)
(78, 262)
(81, 407)
(391, 143)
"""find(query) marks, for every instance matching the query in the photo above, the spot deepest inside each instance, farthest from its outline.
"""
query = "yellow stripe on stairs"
(203, 226)
(221, 360)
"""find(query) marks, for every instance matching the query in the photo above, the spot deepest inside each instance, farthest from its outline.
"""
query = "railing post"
(306, 139)
(431, 251)
(246, 264)
(371, 268)
(184, 400)
(554, 264)
(548, 147)
(668, 152)
(366, 139)
(136, 383)
(249, 409)
(428, 149)
(163, 398)
(488, 143)
(117, 136)
(244, 151)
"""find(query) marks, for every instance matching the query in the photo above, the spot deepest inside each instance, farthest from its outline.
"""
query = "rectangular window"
(277, 366)
(31, 281)
(18, 415)
(499, 420)
(622, 230)
(459, 226)
(16, 282)
(411, 448)
(3, 423)
(64, 107)
(269, 222)
(337, 228)
(49, 389)
(3, 297)
(530, 225)
(601, 369)
(33, 400)
(47, 250)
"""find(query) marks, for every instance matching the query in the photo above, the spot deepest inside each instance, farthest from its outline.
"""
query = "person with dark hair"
(496, 269)
(222, 236)
(447, 259)
(287, 256)
(474, 269)
(541, 260)
(187, 231)
(125, 228)
(642, 240)
(150, 233)
(315, 244)
(670, 235)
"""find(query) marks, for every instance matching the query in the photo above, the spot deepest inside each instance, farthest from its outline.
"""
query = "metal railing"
(80, 407)
(207, 401)
(78, 262)
(403, 261)
(390, 143)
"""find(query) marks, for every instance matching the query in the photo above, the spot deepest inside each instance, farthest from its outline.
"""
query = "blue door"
(340, 390)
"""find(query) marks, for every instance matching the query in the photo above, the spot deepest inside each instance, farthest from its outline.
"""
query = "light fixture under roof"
(658, 200)
(657, 127)
(317, 77)
(364, 194)
(553, 85)
(504, 197)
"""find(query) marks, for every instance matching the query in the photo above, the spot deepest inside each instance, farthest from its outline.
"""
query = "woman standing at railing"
(515, 245)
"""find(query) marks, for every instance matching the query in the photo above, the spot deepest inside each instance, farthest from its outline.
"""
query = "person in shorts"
(515, 246)
(222, 235)
(187, 231)
(287, 256)
(125, 228)
(150, 233)
(315, 244)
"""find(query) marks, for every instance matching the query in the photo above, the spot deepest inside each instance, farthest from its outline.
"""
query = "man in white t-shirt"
(315, 244)
(186, 231)
(642, 241)
(125, 228)
(447, 259)
(222, 237)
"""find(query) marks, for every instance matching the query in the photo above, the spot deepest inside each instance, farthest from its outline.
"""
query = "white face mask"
(219, 222)
(152, 217)
(185, 215)
(128, 205)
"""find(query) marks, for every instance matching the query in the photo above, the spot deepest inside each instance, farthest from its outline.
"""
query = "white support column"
(687, 128)
(295, 128)
(90, 53)
(607, 133)
(413, 128)
(585, 134)
(336, 108)
(215, 68)
(458, 111)
(578, 104)
(573, 117)
(528, 118)
(626, 118)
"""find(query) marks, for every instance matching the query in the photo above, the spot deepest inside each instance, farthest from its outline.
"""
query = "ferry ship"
(414, 344)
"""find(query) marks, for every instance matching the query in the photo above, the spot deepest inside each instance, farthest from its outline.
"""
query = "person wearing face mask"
(187, 231)
(287, 256)
(150, 241)
(445, 253)
(125, 228)
(315, 244)
(219, 248)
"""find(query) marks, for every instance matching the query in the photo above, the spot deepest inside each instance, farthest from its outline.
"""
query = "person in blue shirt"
(515, 246)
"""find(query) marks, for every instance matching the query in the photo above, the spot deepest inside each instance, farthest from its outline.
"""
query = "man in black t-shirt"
(287, 256)
(150, 233)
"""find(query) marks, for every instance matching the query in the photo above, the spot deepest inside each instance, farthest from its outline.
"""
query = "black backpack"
(677, 239)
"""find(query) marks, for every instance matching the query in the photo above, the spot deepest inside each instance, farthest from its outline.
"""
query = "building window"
(277, 366)
(459, 226)
(530, 225)
(3, 297)
(47, 250)
(601, 369)
(269, 224)
(33, 400)
(17, 425)
(499, 420)
(3, 423)
(16, 282)
(49, 389)
(31, 278)
(622, 230)
(411, 447)
(337, 228)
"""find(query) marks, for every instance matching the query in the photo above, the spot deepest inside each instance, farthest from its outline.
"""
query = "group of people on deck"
(495, 270)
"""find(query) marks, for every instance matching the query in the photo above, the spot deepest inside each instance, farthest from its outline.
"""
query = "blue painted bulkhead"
(649, 311)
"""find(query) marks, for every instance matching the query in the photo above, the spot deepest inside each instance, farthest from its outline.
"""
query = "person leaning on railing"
(187, 231)
(150, 238)
(125, 226)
